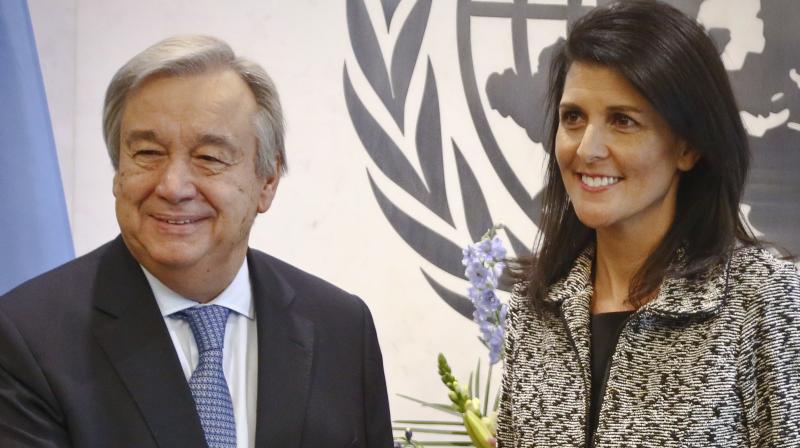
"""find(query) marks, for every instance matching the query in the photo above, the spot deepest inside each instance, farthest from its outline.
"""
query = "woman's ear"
(687, 157)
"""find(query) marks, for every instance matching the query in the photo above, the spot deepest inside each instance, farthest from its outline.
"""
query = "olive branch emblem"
(390, 80)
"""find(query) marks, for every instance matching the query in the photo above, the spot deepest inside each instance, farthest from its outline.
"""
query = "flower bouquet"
(475, 424)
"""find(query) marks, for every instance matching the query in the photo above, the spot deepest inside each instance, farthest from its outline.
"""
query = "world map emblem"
(441, 195)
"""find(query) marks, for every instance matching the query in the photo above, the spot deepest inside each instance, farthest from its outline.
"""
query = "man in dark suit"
(176, 334)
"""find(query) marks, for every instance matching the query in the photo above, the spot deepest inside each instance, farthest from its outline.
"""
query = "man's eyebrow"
(204, 139)
(137, 135)
(216, 140)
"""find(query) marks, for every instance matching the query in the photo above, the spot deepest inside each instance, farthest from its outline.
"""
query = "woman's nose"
(593, 144)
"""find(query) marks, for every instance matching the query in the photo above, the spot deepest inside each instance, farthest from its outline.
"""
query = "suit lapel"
(285, 355)
(130, 329)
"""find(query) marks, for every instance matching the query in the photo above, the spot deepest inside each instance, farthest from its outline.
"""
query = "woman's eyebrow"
(624, 108)
(569, 105)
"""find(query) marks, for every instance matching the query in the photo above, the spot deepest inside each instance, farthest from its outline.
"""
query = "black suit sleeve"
(29, 414)
(376, 401)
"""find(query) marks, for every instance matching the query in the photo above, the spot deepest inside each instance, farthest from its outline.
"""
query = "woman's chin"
(595, 219)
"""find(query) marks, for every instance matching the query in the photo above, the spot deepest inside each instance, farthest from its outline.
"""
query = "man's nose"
(593, 145)
(177, 182)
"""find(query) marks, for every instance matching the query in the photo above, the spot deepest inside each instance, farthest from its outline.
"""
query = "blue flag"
(34, 229)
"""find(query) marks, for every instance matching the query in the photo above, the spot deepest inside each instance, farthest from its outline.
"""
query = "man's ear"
(687, 157)
(268, 188)
(115, 182)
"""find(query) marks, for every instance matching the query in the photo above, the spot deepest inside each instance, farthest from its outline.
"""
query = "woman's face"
(619, 160)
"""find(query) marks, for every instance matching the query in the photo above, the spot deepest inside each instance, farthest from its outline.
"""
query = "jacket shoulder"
(319, 292)
(72, 279)
(757, 279)
(756, 266)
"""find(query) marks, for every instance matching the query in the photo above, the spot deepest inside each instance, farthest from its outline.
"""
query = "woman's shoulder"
(758, 263)
(757, 273)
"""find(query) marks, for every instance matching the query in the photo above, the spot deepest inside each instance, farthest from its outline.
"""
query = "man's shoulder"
(311, 289)
(72, 279)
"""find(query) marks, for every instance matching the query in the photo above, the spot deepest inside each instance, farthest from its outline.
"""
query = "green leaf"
(429, 422)
(438, 406)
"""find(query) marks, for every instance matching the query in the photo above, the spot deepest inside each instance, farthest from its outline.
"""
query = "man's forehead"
(214, 86)
(208, 98)
(211, 109)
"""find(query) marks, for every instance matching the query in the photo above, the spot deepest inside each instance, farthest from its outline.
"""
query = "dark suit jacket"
(86, 361)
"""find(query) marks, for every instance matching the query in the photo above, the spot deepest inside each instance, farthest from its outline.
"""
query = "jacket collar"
(285, 354)
(678, 297)
(577, 282)
(129, 328)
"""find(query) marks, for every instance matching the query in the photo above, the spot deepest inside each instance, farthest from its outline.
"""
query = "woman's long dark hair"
(672, 62)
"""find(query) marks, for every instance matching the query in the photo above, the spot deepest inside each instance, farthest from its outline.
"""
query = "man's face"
(186, 188)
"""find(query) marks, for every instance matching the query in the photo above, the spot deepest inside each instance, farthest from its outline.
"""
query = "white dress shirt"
(240, 353)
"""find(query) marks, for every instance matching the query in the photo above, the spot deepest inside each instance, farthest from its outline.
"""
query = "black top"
(605, 329)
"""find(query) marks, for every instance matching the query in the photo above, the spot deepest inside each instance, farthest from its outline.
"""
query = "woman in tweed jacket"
(650, 317)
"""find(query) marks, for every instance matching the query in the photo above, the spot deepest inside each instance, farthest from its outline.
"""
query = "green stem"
(486, 394)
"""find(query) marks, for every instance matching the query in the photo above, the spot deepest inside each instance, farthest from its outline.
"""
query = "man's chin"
(170, 254)
(174, 261)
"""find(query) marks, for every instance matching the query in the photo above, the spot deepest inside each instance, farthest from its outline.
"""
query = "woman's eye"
(623, 121)
(570, 117)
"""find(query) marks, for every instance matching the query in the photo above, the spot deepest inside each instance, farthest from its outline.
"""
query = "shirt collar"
(237, 297)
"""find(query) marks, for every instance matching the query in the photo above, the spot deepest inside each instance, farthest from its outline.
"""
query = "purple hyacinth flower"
(484, 263)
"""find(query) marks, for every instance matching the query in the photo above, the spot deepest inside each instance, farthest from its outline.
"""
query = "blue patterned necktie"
(212, 398)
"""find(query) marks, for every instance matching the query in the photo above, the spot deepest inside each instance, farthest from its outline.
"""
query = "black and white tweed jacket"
(713, 362)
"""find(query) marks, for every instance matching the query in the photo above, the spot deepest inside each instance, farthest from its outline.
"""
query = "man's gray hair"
(191, 55)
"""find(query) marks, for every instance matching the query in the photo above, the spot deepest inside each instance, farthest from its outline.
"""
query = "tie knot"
(207, 324)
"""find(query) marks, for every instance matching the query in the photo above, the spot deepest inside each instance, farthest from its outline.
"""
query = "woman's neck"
(619, 256)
